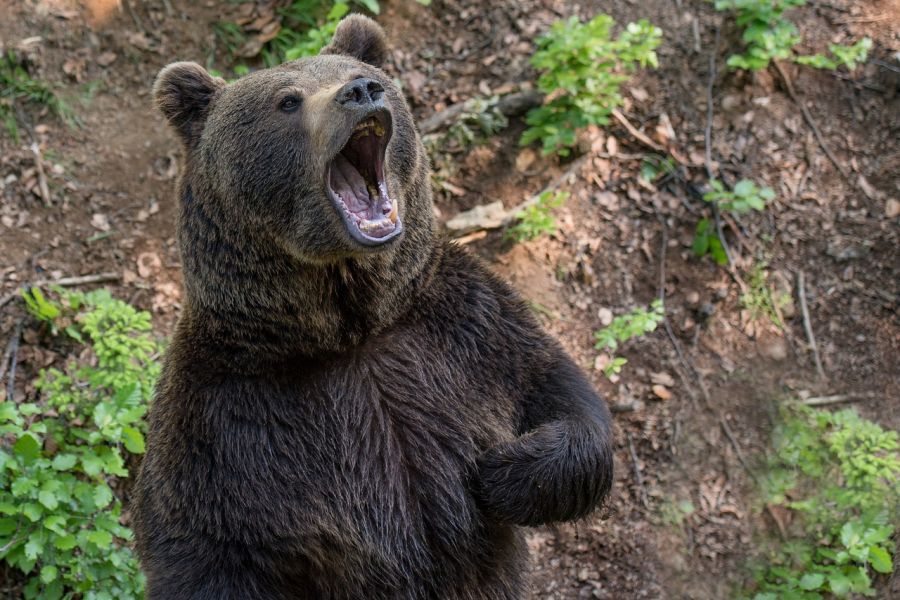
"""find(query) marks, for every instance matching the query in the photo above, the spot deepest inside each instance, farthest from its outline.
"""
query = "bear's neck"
(255, 306)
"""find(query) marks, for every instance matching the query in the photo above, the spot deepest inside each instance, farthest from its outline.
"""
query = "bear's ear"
(183, 91)
(360, 37)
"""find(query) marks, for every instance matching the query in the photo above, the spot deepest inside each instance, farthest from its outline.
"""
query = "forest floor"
(697, 398)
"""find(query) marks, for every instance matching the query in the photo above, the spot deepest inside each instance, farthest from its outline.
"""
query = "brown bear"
(351, 407)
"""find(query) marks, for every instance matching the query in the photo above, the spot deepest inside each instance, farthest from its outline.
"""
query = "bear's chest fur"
(353, 466)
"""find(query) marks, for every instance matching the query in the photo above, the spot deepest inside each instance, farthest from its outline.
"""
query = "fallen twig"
(838, 398)
(42, 177)
(809, 120)
(13, 359)
(622, 407)
(81, 280)
(495, 221)
(639, 478)
(471, 237)
(636, 133)
(510, 105)
(17, 331)
(807, 325)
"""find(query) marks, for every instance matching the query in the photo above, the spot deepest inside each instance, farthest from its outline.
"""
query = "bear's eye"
(289, 104)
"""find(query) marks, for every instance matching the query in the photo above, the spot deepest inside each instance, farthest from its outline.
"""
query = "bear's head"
(320, 156)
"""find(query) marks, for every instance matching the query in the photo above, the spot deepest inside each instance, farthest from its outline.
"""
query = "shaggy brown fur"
(337, 420)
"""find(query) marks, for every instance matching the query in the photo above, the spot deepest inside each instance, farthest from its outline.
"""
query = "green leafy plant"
(673, 513)
(654, 167)
(307, 26)
(848, 56)
(304, 31)
(769, 36)
(634, 324)
(480, 120)
(745, 197)
(18, 86)
(229, 36)
(759, 298)
(582, 69)
(63, 457)
(537, 219)
(840, 475)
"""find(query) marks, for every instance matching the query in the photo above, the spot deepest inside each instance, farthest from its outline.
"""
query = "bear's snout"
(361, 93)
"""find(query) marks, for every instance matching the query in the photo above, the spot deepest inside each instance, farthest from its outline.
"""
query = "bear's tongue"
(350, 185)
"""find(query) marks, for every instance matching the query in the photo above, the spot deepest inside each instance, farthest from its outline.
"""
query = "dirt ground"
(718, 373)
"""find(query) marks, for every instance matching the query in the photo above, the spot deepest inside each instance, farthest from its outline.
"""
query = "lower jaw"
(369, 233)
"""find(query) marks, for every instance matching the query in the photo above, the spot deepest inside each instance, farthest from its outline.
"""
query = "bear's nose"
(360, 92)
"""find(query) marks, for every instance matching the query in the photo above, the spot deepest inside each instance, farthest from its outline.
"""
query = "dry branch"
(42, 177)
(807, 325)
(638, 476)
(838, 398)
(809, 120)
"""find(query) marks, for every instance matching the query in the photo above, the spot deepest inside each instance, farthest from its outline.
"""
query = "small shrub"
(769, 36)
(63, 459)
(17, 85)
(634, 324)
(537, 219)
(582, 68)
(745, 197)
(840, 475)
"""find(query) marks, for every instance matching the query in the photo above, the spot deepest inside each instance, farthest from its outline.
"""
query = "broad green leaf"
(838, 583)
(133, 440)
(56, 524)
(880, 559)
(49, 574)
(64, 462)
(102, 495)
(48, 499)
(65, 542)
(33, 547)
(32, 511)
(812, 581)
(103, 539)
(91, 463)
(8, 525)
(744, 188)
(27, 447)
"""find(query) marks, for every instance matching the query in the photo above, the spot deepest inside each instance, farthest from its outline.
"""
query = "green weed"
(18, 86)
(537, 219)
(759, 298)
(840, 476)
(639, 322)
(769, 36)
(63, 458)
(745, 197)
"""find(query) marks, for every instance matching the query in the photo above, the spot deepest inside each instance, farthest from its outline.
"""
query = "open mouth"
(357, 186)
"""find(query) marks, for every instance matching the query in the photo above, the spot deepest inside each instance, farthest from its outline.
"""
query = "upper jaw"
(356, 182)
